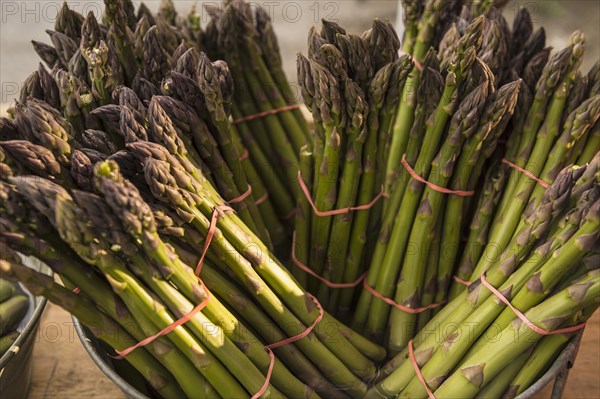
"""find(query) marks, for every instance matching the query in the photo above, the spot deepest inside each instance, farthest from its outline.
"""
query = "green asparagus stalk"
(303, 218)
(7, 290)
(12, 312)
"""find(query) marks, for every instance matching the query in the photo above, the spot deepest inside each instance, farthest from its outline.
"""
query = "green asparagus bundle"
(165, 186)
(541, 249)
(352, 108)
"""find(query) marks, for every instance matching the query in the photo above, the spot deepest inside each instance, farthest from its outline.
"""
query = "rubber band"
(524, 318)
(526, 173)
(242, 197)
(461, 281)
(262, 199)
(315, 275)
(289, 215)
(435, 187)
(269, 348)
(245, 155)
(398, 306)
(266, 113)
(335, 212)
(167, 329)
(76, 290)
(418, 65)
(212, 227)
(413, 360)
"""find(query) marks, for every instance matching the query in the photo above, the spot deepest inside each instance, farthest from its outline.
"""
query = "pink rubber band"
(262, 199)
(335, 212)
(315, 275)
(269, 348)
(76, 290)
(397, 305)
(524, 318)
(266, 113)
(212, 227)
(461, 281)
(242, 197)
(435, 187)
(413, 360)
(289, 215)
(526, 173)
(245, 155)
(418, 65)
(167, 329)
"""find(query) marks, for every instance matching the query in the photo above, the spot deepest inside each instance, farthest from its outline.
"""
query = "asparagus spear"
(12, 312)
(360, 225)
(7, 290)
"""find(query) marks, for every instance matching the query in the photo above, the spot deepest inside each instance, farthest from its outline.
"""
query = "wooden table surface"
(63, 370)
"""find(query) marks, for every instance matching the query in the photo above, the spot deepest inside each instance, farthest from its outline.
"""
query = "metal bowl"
(558, 372)
(98, 351)
(16, 363)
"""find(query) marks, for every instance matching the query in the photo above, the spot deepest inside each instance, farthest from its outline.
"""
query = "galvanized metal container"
(16, 364)
(557, 373)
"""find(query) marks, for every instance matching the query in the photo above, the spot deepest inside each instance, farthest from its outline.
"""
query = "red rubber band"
(461, 281)
(315, 275)
(76, 290)
(212, 227)
(262, 199)
(289, 215)
(397, 305)
(435, 187)
(526, 173)
(335, 212)
(413, 360)
(269, 348)
(418, 65)
(167, 329)
(242, 197)
(524, 318)
(245, 155)
(265, 113)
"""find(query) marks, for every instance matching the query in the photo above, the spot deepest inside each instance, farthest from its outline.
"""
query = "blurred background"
(21, 21)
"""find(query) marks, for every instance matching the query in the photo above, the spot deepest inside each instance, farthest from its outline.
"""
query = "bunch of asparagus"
(352, 85)
(462, 116)
(242, 34)
(123, 210)
(13, 307)
(163, 55)
(136, 158)
(548, 271)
